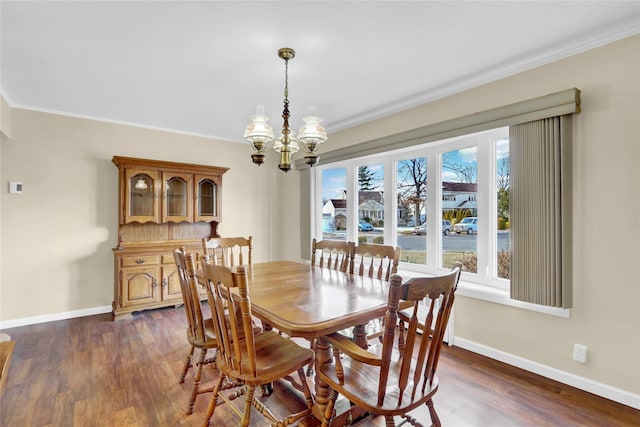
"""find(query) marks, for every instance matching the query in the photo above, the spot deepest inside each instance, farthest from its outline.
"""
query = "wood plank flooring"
(92, 371)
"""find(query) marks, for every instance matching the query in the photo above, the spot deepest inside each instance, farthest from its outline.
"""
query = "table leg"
(322, 390)
(360, 336)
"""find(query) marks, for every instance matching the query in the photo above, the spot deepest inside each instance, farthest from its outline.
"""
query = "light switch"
(15, 187)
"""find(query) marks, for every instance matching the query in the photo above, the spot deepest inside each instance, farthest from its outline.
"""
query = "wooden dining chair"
(6, 351)
(405, 315)
(390, 382)
(228, 251)
(245, 358)
(332, 254)
(200, 330)
(375, 261)
(372, 260)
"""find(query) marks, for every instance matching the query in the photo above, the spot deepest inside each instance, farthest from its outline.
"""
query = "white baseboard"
(14, 323)
(599, 389)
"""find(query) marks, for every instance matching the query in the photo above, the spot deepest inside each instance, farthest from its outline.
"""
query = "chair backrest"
(228, 251)
(332, 254)
(236, 342)
(379, 261)
(185, 263)
(439, 292)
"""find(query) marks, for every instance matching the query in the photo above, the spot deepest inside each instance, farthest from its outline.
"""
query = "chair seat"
(276, 357)
(361, 385)
(210, 336)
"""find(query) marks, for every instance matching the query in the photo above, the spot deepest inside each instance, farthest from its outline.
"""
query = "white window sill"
(498, 296)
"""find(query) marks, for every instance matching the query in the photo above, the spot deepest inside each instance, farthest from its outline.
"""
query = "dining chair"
(245, 358)
(405, 315)
(387, 381)
(229, 251)
(332, 254)
(375, 261)
(200, 330)
(6, 351)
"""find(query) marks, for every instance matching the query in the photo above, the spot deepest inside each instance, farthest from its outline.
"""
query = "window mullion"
(352, 202)
(390, 203)
(434, 185)
(486, 211)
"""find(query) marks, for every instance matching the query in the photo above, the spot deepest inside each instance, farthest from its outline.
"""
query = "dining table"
(310, 302)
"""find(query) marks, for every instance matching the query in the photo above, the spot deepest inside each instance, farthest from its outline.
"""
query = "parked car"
(364, 226)
(422, 229)
(468, 225)
(446, 227)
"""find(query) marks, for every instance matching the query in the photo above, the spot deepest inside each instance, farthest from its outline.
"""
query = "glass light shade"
(311, 133)
(141, 184)
(294, 147)
(258, 133)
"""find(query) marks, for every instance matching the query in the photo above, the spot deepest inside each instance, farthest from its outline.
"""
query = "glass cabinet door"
(141, 204)
(207, 195)
(178, 200)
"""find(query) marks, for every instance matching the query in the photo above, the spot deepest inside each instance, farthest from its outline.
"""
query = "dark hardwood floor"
(92, 371)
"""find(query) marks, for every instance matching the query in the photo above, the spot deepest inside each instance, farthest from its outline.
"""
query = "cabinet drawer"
(168, 259)
(139, 260)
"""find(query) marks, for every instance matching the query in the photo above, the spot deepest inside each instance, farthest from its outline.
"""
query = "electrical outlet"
(15, 187)
(580, 353)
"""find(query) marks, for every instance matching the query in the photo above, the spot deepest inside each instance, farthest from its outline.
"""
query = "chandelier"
(260, 134)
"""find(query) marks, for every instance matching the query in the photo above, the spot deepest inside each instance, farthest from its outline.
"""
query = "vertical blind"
(540, 208)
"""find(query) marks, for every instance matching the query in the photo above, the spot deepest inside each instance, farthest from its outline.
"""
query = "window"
(334, 203)
(450, 204)
(503, 219)
(459, 177)
(411, 208)
(371, 203)
(534, 208)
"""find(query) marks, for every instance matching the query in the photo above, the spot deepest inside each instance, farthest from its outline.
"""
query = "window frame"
(486, 199)
(565, 102)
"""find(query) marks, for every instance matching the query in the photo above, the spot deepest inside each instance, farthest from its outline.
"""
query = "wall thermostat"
(15, 187)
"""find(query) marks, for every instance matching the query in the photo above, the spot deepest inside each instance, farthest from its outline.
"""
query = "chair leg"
(214, 399)
(410, 420)
(246, 416)
(432, 412)
(388, 421)
(305, 388)
(328, 412)
(196, 381)
(310, 367)
(187, 363)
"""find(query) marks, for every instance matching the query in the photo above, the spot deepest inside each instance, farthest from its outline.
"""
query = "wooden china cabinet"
(161, 206)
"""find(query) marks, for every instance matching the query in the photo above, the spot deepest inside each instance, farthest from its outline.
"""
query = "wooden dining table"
(311, 302)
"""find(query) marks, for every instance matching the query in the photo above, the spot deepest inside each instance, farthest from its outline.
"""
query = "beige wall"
(606, 313)
(57, 236)
(5, 118)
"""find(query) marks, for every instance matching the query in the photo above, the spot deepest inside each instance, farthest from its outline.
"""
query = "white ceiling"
(201, 67)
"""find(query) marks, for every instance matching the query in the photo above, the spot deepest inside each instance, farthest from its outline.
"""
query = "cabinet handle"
(164, 282)
(139, 261)
(154, 284)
